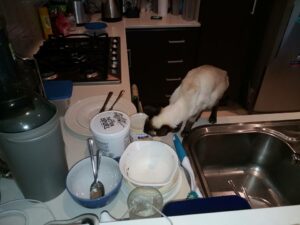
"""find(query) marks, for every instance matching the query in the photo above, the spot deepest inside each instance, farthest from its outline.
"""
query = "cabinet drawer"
(180, 43)
(174, 70)
(159, 59)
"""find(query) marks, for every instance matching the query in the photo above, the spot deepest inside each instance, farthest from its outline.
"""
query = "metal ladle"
(97, 188)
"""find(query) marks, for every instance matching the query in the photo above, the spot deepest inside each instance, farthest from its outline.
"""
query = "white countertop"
(64, 207)
(170, 21)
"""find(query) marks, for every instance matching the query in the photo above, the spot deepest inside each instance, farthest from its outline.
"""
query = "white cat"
(200, 90)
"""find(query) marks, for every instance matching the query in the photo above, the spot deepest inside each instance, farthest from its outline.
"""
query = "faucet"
(296, 158)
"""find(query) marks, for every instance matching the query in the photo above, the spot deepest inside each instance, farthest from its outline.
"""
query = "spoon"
(117, 99)
(96, 188)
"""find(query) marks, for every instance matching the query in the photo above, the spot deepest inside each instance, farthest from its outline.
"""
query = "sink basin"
(257, 161)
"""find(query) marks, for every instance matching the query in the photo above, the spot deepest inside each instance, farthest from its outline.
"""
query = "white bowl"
(80, 178)
(149, 163)
(163, 190)
(169, 195)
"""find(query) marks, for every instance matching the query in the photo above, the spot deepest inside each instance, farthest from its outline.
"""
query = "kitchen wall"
(24, 30)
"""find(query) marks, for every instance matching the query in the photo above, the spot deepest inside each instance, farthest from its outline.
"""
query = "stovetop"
(82, 58)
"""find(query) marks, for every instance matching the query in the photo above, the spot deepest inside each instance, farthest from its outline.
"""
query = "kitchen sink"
(257, 161)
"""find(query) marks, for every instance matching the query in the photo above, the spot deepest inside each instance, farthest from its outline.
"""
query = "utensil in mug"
(96, 188)
(106, 101)
(117, 99)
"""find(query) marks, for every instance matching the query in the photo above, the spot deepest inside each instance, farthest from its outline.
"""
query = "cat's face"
(162, 131)
(149, 129)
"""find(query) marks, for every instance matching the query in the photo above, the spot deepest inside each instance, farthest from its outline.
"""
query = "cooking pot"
(111, 10)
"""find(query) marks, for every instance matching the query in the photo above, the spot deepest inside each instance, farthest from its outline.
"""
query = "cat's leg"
(213, 115)
(189, 124)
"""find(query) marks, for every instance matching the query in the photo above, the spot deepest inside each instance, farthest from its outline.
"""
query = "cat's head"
(150, 129)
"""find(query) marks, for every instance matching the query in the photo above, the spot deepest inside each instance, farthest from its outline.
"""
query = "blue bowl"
(80, 178)
(95, 25)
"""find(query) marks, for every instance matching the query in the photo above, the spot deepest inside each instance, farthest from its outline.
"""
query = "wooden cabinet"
(159, 59)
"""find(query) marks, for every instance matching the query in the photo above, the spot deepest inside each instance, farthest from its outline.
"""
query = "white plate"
(78, 116)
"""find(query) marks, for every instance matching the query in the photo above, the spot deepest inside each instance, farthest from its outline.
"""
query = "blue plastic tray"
(205, 205)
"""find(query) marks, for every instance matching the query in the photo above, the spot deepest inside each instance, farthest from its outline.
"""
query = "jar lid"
(110, 123)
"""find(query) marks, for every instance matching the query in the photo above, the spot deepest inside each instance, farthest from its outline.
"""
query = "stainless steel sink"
(258, 161)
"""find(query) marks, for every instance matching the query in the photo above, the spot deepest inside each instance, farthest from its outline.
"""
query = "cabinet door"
(231, 37)
(159, 59)
(225, 27)
(145, 59)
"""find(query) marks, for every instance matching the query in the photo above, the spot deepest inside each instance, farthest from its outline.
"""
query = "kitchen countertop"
(171, 21)
(64, 207)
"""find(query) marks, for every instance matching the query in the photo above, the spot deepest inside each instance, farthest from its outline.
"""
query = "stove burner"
(80, 58)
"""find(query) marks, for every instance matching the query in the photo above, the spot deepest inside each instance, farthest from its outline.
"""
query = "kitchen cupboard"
(231, 38)
(158, 60)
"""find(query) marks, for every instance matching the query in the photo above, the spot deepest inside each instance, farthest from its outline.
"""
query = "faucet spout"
(296, 159)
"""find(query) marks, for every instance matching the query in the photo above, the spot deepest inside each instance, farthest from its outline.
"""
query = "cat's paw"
(184, 133)
(212, 119)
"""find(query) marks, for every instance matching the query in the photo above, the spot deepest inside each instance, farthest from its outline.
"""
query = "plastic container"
(95, 28)
(31, 141)
(111, 130)
(36, 158)
(144, 202)
(137, 122)
(59, 93)
(163, 8)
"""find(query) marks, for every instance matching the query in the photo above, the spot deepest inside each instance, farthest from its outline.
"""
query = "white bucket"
(110, 130)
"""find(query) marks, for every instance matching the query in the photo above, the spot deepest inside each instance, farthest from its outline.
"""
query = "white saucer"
(78, 116)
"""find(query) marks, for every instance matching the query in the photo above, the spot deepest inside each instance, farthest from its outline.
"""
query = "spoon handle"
(90, 147)
(106, 101)
(98, 160)
(117, 99)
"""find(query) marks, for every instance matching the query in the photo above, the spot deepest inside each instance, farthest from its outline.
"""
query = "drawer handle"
(173, 79)
(129, 57)
(175, 61)
(176, 41)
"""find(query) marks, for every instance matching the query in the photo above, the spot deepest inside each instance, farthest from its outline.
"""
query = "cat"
(200, 90)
